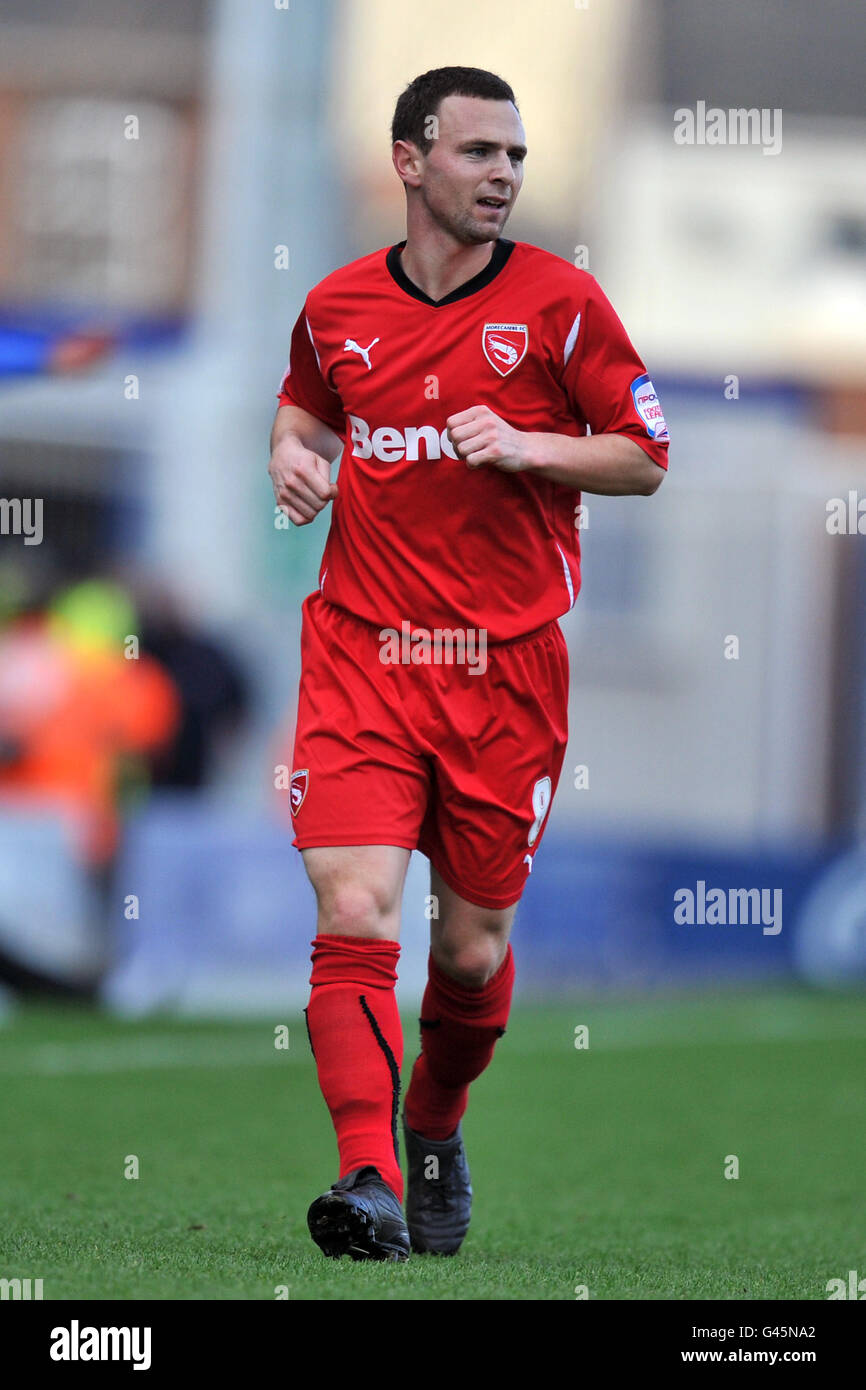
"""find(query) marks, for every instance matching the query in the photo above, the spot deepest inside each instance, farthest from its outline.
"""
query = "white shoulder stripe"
(313, 341)
(318, 359)
(570, 341)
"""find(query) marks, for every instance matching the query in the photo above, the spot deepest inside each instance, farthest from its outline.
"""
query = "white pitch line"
(82, 1058)
(145, 1054)
(599, 1041)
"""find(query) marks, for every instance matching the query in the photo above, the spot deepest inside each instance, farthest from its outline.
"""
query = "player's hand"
(301, 479)
(480, 437)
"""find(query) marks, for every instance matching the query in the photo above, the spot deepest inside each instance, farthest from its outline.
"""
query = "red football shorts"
(459, 759)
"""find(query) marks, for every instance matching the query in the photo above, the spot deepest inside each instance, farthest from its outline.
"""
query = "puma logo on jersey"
(351, 346)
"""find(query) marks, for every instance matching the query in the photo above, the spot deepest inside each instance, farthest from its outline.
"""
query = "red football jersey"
(416, 535)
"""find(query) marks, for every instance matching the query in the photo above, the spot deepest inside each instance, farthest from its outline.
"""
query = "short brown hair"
(422, 98)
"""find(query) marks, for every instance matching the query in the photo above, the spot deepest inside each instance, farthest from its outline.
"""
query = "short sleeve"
(607, 384)
(302, 383)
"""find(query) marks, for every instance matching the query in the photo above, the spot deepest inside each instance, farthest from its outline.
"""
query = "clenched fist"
(480, 437)
(301, 479)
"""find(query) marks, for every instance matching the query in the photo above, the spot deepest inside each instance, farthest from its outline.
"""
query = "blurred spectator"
(75, 712)
(213, 693)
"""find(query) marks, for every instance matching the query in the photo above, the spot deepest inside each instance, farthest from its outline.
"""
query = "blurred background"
(173, 180)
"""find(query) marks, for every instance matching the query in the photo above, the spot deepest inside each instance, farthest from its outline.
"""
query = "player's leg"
(352, 1019)
(358, 793)
(357, 1041)
(358, 889)
(464, 1011)
(465, 1007)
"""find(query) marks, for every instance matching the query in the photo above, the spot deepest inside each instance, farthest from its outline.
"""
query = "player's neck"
(438, 266)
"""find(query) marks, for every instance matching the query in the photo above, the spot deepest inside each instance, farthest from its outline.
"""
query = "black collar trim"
(501, 251)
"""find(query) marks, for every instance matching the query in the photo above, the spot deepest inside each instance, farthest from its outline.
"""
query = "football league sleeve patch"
(648, 407)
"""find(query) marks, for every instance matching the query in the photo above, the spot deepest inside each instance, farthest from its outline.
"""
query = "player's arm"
(302, 447)
(611, 464)
(309, 429)
(607, 386)
(304, 437)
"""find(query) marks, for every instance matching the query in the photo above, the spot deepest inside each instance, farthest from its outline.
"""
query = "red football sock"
(459, 1029)
(357, 1040)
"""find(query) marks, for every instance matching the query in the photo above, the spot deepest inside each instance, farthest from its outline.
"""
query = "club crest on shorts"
(505, 345)
(298, 788)
(541, 794)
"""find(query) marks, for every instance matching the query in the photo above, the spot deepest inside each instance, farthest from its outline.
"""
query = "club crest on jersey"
(298, 787)
(505, 345)
(648, 407)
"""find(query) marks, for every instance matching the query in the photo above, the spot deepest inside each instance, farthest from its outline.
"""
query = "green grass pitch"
(601, 1166)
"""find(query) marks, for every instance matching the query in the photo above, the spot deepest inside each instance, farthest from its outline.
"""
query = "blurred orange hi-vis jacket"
(68, 718)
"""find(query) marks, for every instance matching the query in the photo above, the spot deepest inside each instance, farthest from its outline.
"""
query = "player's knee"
(354, 910)
(472, 963)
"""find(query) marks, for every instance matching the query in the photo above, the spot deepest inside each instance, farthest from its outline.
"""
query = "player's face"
(472, 175)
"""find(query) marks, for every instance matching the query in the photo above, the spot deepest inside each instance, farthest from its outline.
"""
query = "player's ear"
(407, 161)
